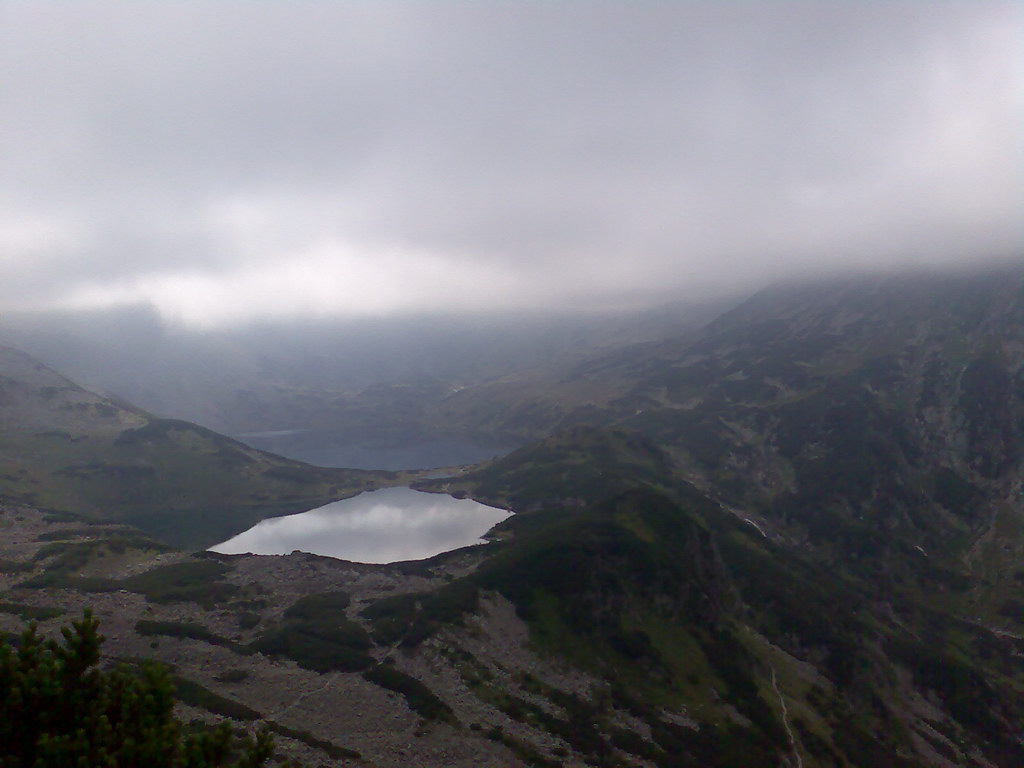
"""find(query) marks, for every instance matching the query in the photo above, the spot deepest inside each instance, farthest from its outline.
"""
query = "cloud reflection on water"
(382, 526)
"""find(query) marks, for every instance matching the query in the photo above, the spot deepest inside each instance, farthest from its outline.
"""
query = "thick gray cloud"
(228, 159)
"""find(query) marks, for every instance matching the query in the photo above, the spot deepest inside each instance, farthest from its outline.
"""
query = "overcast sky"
(227, 160)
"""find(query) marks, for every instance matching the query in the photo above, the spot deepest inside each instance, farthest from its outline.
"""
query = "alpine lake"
(384, 526)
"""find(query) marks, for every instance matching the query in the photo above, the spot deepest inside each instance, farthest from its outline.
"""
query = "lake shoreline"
(381, 526)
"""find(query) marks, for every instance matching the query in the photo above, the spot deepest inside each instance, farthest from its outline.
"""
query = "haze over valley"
(816, 494)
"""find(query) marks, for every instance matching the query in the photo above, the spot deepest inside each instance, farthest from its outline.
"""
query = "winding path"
(785, 722)
(301, 698)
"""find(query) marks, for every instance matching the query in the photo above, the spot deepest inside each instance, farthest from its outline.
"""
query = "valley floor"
(332, 716)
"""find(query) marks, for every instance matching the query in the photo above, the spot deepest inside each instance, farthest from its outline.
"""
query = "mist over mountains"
(792, 535)
(294, 374)
(719, 305)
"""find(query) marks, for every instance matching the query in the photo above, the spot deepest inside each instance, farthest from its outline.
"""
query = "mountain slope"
(866, 437)
(793, 541)
(883, 406)
(681, 606)
(66, 448)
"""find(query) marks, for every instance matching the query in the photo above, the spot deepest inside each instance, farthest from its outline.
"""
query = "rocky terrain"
(322, 717)
(853, 420)
(795, 539)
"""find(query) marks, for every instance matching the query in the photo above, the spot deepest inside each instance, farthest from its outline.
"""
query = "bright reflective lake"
(383, 526)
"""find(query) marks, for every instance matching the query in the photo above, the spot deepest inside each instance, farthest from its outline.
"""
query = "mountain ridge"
(63, 447)
(792, 540)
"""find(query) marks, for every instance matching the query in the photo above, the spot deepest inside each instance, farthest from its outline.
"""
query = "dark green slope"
(65, 448)
(680, 605)
(872, 419)
(571, 466)
(865, 443)
(880, 423)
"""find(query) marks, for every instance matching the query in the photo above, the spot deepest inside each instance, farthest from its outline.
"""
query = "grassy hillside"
(865, 438)
(65, 448)
(795, 540)
(868, 417)
(680, 606)
(570, 466)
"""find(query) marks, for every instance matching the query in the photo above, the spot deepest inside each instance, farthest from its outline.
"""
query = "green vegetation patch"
(412, 618)
(60, 709)
(524, 752)
(31, 612)
(248, 620)
(68, 559)
(60, 516)
(324, 606)
(955, 493)
(966, 693)
(589, 570)
(316, 633)
(153, 430)
(581, 462)
(195, 695)
(195, 581)
(793, 599)
(419, 698)
(14, 566)
(333, 750)
(581, 727)
(315, 651)
(75, 533)
(602, 566)
(190, 631)
(10, 638)
(76, 555)
(232, 676)
(191, 581)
